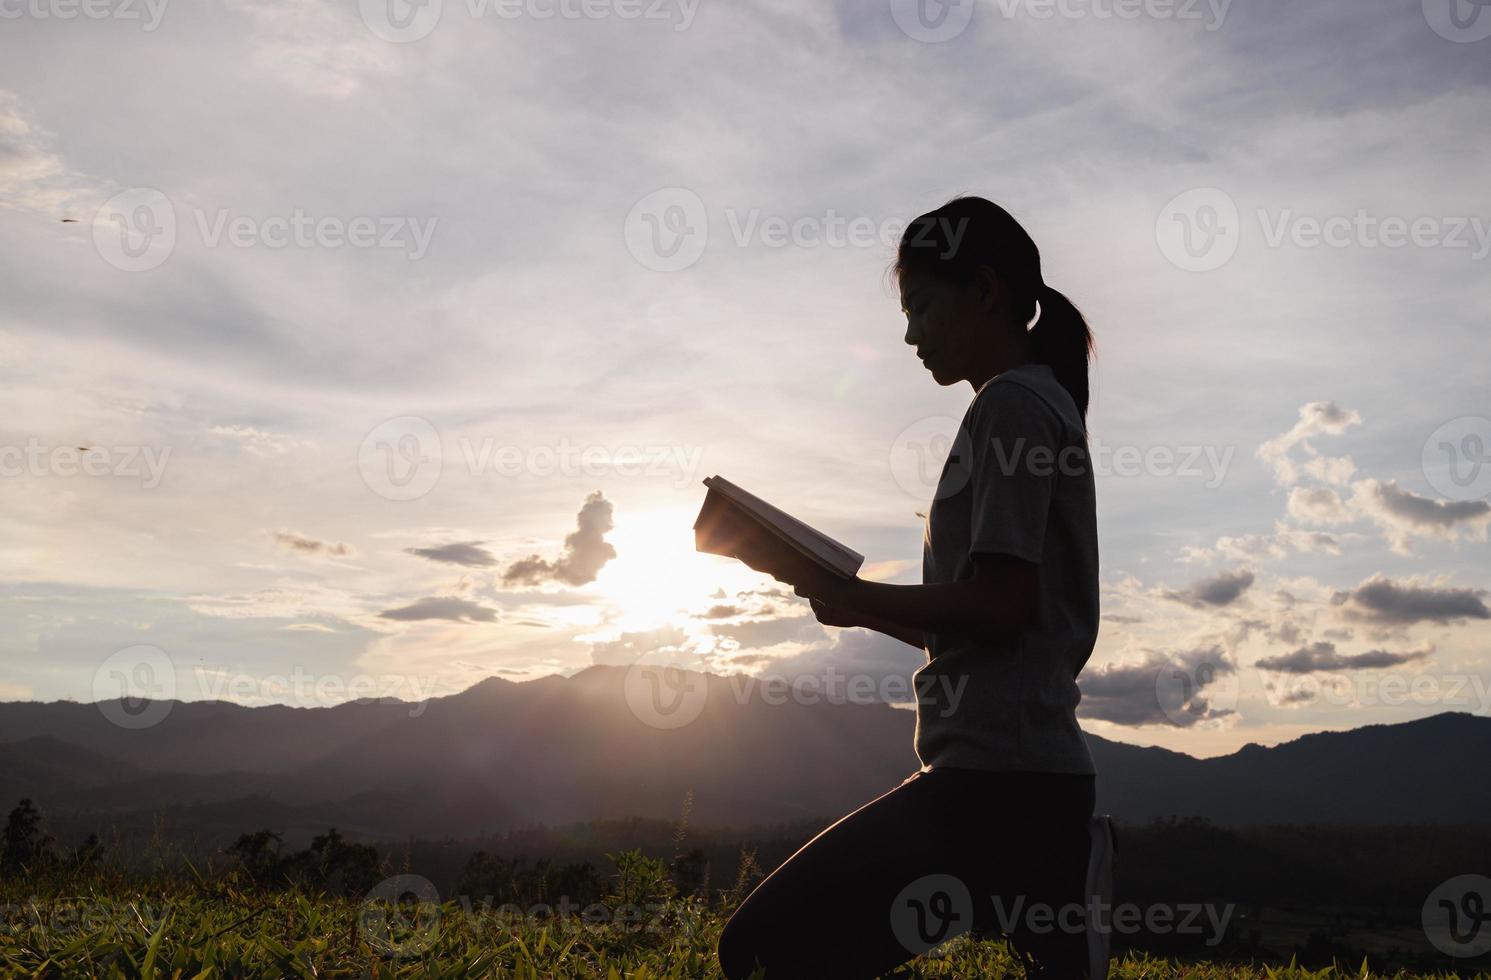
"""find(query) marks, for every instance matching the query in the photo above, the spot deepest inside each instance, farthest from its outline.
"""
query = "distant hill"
(558, 751)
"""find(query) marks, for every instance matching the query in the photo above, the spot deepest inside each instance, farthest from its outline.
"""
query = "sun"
(657, 578)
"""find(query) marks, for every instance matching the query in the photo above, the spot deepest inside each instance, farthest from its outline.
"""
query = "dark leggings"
(946, 851)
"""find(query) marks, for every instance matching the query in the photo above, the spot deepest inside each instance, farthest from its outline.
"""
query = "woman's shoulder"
(1029, 390)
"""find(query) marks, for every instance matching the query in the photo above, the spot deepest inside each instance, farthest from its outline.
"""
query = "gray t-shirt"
(1018, 482)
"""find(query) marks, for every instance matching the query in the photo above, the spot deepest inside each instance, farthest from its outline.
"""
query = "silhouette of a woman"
(992, 833)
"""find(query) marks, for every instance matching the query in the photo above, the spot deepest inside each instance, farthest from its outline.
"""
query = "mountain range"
(564, 750)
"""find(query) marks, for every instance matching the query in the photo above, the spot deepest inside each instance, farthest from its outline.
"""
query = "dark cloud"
(721, 611)
(1391, 504)
(468, 553)
(309, 546)
(586, 550)
(1381, 600)
(1322, 658)
(442, 607)
(1179, 690)
(1218, 590)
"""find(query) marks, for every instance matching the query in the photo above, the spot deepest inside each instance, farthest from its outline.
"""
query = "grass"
(196, 927)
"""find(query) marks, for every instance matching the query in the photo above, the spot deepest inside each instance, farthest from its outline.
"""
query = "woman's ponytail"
(1062, 339)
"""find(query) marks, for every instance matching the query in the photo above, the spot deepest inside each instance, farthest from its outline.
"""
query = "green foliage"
(329, 911)
(190, 928)
(641, 881)
(25, 847)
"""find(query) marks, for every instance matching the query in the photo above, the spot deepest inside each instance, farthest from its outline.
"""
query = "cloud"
(1255, 547)
(862, 664)
(1404, 515)
(586, 550)
(663, 645)
(1176, 690)
(258, 442)
(314, 47)
(721, 611)
(442, 607)
(310, 546)
(1218, 590)
(1315, 418)
(771, 631)
(1331, 469)
(468, 553)
(1322, 657)
(1318, 505)
(31, 175)
(1381, 600)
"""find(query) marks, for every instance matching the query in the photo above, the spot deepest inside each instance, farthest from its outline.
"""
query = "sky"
(366, 349)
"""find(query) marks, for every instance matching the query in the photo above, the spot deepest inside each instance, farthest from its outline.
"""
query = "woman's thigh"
(831, 909)
(944, 851)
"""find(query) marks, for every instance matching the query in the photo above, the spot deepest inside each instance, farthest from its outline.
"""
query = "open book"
(731, 517)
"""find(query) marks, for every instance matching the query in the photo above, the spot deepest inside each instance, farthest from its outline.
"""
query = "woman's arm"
(834, 616)
(997, 601)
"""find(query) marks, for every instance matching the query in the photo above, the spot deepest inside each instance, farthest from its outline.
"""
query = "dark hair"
(953, 241)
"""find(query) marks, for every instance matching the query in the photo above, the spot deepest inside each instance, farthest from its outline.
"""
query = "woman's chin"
(941, 376)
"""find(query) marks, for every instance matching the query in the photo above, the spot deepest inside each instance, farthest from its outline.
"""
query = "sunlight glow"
(658, 579)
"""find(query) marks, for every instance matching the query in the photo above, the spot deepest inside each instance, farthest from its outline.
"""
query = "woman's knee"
(740, 947)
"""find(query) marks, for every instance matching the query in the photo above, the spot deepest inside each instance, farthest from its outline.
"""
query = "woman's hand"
(808, 579)
(833, 615)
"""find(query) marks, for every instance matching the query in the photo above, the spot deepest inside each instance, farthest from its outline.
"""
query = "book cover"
(732, 519)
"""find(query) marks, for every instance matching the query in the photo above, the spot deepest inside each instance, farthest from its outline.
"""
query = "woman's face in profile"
(944, 324)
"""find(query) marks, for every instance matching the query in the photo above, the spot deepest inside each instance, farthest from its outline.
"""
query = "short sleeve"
(1016, 440)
